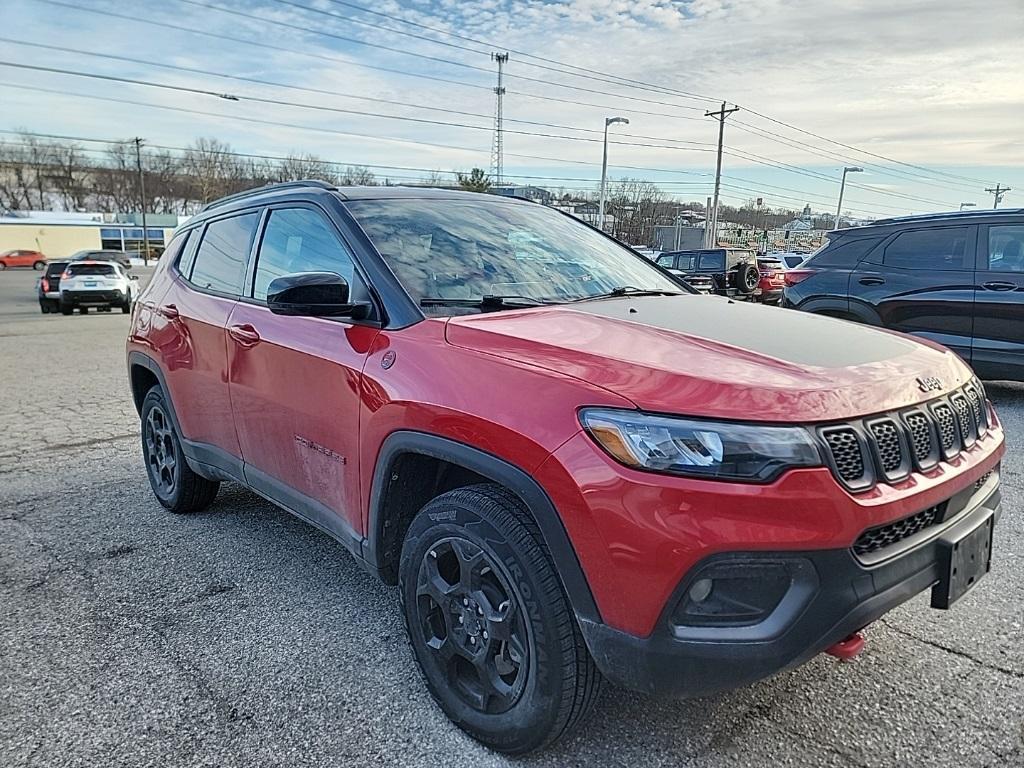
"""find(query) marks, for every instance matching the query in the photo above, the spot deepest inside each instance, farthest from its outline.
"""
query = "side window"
(1006, 248)
(299, 240)
(712, 261)
(176, 246)
(929, 249)
(220, 261)
(845, 253)
(666, 261)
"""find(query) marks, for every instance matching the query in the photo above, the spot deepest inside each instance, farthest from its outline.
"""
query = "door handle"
(169, 311)
(872, 281)
(245, 335)
(999, 285)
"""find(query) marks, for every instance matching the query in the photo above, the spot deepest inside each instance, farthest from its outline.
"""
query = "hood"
(711, 356)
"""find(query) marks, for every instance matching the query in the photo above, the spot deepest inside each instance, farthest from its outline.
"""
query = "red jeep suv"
(574, 468)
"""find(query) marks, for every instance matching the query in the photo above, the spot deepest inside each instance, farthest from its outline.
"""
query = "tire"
(66, 309)
(174, 484)
(3, 266)
(483, 534)
(747, 278)
(39, 265)
(44, 307)
(126, 308)
(83, 310)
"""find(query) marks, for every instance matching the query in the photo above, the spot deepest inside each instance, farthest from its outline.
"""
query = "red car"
(573, 468)
(33, 259)
(773, 279)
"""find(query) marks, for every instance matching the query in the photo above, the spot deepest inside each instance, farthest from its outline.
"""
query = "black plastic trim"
(934, 444)
(906, 457)
(500, 471)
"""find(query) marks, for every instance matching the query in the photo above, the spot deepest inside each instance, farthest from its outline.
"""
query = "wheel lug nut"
(460, 619)
(472, 641)
(465, 601)
(485, 635)
(480, 611)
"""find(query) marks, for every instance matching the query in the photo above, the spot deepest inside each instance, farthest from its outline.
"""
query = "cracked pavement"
(240, 636)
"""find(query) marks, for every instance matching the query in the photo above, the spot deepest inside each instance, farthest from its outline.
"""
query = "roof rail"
(948, 215)
(267, 188)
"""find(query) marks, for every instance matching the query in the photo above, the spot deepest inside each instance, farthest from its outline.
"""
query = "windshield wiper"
(489, 302)
(628, 290)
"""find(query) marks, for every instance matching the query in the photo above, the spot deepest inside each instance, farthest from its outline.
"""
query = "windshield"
(464, 250)
(79, 270)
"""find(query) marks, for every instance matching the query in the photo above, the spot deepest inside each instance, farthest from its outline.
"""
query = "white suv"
(100, 284)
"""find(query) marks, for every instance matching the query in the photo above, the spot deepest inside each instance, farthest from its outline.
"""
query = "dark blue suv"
(954, 278)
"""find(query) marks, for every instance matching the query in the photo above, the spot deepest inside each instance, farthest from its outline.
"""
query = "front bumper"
(830, 595)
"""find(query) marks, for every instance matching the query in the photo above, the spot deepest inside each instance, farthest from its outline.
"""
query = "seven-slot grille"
(887, 447)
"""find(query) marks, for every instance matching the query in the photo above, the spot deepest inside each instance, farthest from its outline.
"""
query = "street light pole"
(967, 205)
(142, 199)
(842, 189)
(604, 167)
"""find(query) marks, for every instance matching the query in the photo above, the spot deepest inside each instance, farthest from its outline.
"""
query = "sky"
(925, 95)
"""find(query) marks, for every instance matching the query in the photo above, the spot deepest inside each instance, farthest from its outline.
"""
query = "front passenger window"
(1006, 249)
(299, 240)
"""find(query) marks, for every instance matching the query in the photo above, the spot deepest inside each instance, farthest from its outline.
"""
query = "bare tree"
(358, 176)
(298, 167)
(436, 179)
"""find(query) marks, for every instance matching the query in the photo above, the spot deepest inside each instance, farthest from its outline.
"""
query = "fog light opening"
(701, 590)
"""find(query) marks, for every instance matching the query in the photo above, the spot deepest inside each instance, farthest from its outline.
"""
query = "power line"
(324, 108)
(634, 82)
(997, 194)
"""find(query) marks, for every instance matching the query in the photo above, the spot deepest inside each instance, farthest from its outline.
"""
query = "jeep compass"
(574, 468)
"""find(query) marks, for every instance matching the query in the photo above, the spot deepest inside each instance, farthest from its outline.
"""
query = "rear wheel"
(490, 624)
(39, 265)
(174, 483)
(126, 308)
(66, 309)
(3, 266)
(44, 307)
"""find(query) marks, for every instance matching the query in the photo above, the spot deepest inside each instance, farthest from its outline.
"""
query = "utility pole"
(720, 115)
(842, 189)
(997, 194)
(142, 199)
(707, 224)
(497, 159)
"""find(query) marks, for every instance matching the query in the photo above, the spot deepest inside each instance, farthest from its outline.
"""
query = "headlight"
(708, 449)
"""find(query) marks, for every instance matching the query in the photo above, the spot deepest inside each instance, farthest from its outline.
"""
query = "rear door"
(192, 318)
(998, 345)
(921, 281)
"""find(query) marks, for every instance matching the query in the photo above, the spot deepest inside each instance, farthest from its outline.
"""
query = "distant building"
(537, 194)
(59, 233)
(803, 223)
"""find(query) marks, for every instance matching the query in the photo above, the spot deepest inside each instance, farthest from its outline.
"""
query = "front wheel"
(39, 265)
(490, 625)
(174, 483)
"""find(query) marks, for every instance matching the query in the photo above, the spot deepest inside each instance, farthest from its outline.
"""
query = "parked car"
(772, 282)
(48, 287)
(573, 469)
(953, 278)
(101, 285)
(118, 257)
(18, 258)
(732, 271)
(790, 260)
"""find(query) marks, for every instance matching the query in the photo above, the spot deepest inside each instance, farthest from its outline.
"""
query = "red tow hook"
(848, 648)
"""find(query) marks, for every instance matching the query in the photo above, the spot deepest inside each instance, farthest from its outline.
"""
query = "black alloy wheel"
(161, 452)
(470, 618)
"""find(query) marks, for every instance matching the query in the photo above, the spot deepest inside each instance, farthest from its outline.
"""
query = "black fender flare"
(141, 359)
(498, 470)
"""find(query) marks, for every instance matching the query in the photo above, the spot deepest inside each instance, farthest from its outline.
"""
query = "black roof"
(353, 193)
(947, 216)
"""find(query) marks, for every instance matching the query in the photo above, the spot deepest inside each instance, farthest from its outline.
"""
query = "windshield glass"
(467, 249)
(79, 270)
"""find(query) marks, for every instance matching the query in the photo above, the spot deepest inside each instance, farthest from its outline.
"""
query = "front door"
(998, 351)
(922, 282)
(295, 380)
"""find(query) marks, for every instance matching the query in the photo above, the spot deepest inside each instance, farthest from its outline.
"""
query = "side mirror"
(313, 294)
(133, 277)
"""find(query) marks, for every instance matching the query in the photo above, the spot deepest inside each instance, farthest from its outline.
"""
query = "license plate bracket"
(963, 561)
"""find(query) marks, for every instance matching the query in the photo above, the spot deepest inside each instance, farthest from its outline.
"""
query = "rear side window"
(930, 249)
(299, 240)
(712, 261)
(666, 261)
(80, 270)
(175, 247)
(220, 261)
(844, 253)
(1006, 248)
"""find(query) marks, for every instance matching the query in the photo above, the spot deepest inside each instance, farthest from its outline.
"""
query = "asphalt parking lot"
(241, 637)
